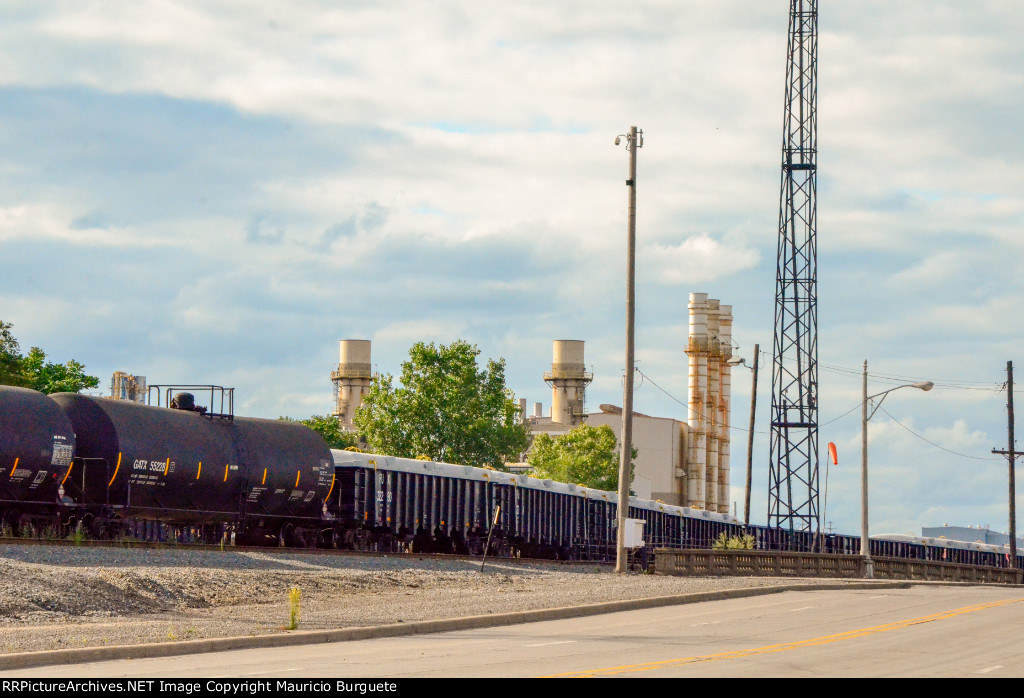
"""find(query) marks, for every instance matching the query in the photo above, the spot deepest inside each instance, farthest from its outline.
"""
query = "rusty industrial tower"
(793, 478)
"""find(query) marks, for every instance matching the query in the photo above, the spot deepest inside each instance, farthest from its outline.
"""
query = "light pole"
(865, 549)
(634, 140)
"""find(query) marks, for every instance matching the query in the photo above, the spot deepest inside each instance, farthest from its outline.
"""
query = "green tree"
(47, 377)
(447, 409)
(586, 455)
(330, 429)
(10, 358)
(34, 371)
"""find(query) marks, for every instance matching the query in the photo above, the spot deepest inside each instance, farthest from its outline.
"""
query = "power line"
(688, 410)
(823, 424)
(985, 386)
(926, 440)
(731, 426)
(840, 416)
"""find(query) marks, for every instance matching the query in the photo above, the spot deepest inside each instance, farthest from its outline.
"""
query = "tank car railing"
(226, 397)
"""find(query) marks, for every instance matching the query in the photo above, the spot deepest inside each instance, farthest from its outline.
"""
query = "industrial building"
(969, 534)
(125, 386)
(684, 462)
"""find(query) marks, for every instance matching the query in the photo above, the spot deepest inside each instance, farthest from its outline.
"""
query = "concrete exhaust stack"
(352, 379)
(724, 396)
(710, 386)
(568, 378)
(697, 351)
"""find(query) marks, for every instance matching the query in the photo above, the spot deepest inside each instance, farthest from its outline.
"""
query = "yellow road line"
(736, 654)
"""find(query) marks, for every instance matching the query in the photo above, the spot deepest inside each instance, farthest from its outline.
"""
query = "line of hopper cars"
(119, 468)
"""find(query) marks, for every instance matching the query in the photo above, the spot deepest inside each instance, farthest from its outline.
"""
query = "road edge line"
(80, 655)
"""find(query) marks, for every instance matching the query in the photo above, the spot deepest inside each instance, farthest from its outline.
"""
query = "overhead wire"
(731, 426)
(926, 440)
(985, 386)
(835, 419)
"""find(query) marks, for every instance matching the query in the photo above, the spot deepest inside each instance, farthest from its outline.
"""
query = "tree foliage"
(330, 429)
(34, 371)
(447, 409)
(586, 455)
(10, 358)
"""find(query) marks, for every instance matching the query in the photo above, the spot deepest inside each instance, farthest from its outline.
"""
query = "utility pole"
(750, 438)
(1011, 455)
(865, 540)
(634, 140)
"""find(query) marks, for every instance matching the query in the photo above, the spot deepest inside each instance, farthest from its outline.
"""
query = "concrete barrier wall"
(791, 564)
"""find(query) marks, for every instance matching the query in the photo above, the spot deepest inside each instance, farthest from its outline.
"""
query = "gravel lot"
(61, 597)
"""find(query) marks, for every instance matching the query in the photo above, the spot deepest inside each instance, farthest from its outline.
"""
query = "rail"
(765, 563)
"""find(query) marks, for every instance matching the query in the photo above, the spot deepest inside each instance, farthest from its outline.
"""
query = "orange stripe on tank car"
(119, 454)
(68, 473)
(297, 474)
(225, 472)
(200, 469)
(332, 488)
(167, 467)
(15, 466)
(264, 477)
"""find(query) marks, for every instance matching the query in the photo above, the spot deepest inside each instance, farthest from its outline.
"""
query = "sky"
(218, 192)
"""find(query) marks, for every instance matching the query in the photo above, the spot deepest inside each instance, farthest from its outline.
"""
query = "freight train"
(72, 462)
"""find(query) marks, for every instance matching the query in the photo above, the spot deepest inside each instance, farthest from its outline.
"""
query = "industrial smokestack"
(711, 404)
(352, 379)
(568, 378)
(725, 394)
(697, 351)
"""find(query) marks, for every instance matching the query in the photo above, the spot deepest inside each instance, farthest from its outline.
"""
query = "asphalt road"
(922, 631)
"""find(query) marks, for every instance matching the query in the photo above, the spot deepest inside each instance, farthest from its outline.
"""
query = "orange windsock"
(833, 454)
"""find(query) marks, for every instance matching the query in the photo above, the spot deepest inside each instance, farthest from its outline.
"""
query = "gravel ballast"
(69, 597)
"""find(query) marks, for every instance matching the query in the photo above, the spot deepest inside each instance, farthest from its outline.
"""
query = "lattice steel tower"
(793, 482)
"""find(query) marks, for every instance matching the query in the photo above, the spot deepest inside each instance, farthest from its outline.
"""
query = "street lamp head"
(736, 361)
(618, 139)
(924, 385)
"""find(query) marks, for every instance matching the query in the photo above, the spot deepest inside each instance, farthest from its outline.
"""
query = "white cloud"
(264, 179)
(697, 260)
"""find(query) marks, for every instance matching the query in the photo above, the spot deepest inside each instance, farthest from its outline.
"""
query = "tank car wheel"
(100, 529)
(305, 538)
(286, 537)
(337, 538)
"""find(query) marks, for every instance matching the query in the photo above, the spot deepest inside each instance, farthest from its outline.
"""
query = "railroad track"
(154, 545)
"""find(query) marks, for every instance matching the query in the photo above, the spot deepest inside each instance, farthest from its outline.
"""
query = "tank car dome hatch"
(185, 402)
(37, 443)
